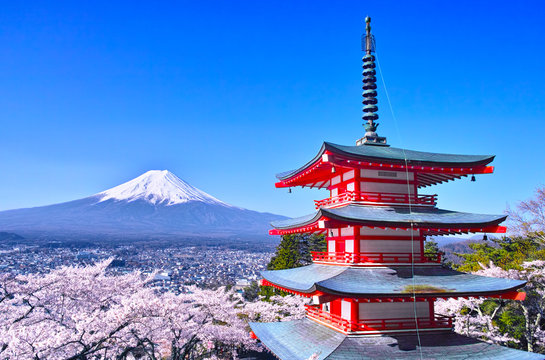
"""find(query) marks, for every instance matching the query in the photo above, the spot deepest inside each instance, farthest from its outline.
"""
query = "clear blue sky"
(226, 94)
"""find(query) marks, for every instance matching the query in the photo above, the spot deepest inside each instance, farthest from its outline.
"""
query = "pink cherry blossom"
(84, 313)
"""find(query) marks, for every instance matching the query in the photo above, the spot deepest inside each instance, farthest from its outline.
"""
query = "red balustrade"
(370, 257)
(375, 197)
(314, 312)
(377, 325)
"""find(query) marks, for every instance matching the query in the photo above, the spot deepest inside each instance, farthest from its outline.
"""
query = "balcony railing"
(375, 197)
(378, 325)
(370, 257)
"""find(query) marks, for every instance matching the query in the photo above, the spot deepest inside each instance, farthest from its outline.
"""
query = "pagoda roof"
(300, 339)
(387, 282)
(434, 219)
(384, 155)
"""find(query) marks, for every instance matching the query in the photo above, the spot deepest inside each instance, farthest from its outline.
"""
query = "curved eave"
(301, 339)
(419, 158)
(442, 167)
(432, 221)
(291, 173)
(388, 282)
(420, 218)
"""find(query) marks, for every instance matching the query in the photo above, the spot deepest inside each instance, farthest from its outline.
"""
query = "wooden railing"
(370, 257)
(376, 197)
(377, 325)
(314, 312)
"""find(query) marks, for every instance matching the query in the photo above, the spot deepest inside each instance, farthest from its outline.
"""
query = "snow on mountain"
(158, 187)
(157, 204)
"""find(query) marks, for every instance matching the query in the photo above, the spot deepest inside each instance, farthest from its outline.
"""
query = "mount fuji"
(156, 204)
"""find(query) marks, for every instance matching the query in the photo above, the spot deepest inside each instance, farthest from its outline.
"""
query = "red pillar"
(357, 238)
(354, 314)
(357, 184)
(431, 303)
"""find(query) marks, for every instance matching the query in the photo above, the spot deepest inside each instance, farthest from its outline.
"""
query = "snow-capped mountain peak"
(158, 187)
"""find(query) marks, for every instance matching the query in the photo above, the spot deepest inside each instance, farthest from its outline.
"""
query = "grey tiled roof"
(395, 216)
(298, 340)
(388, 281)
(395, 155)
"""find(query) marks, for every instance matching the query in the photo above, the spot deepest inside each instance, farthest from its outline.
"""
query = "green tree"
(431, 249)
(296, 250)
(293, 251)
(251, 293)
(507, 253)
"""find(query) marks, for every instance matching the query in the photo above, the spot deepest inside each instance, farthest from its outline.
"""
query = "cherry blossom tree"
(84, 313)
(69, 313)
(278, 308)
(472, 321)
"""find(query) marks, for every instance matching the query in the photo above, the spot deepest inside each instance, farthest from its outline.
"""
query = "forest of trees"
(518, 324)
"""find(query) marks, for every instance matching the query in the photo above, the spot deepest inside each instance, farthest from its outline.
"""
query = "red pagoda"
(373, 290)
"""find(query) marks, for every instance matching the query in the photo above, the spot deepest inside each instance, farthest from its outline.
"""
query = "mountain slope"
(155, 204)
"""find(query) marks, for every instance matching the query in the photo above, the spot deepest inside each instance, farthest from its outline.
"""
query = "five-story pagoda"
(373, 290)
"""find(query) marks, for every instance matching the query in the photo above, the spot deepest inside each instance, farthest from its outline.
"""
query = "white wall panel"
(347, 231)
(390, 246)
(393, 310)
(345, 310)
(348, 175)
(388, 232)
(387, 188)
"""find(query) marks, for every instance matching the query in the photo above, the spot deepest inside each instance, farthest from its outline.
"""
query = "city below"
(174, 265)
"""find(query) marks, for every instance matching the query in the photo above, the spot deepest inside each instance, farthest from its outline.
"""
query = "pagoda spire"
(369, 87)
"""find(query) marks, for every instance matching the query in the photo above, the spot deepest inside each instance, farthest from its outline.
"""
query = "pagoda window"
(382, 174)
(346, 309)
(331, 246)
(391, 174)
(347, 231)
(325, 307)
(390, 246)
(349, 246)
(348, 175)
